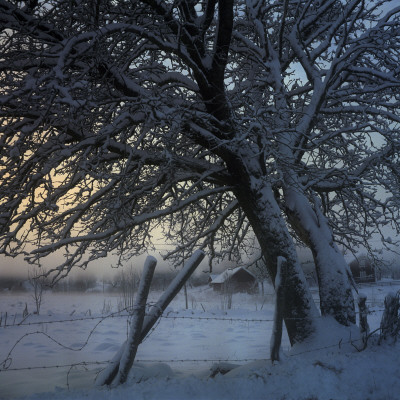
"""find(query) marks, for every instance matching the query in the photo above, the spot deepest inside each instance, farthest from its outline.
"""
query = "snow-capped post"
(110, 375)
(276, 337)
(363, 315)
(390, 323)
(139, 311)
(172, 290)
(117, 372)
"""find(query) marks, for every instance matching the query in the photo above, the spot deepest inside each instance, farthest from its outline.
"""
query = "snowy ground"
(183, 348)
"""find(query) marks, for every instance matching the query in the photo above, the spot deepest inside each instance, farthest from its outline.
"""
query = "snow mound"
(329, 336)
(322, 375)
(141, 372)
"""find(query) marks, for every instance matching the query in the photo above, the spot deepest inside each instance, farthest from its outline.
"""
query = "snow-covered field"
(174, 361)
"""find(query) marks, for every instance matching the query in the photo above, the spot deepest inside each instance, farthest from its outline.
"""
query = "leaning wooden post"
(139, 311)
(172, 290)
(117, 372)
(276, 337)
(107, 376)
(363, 316)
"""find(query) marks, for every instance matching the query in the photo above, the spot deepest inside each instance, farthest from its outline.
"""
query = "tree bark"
(256, 197)
(276, 337)
(336, 297)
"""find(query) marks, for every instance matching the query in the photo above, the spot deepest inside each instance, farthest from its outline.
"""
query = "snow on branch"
(120, 122)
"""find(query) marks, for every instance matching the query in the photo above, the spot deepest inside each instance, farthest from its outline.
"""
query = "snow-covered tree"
(229, 120)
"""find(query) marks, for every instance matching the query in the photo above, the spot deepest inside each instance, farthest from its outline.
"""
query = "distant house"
(363, 270)
(235, 280)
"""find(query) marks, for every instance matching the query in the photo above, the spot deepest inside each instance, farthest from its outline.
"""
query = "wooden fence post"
(109, 375)
(363, 316)
(172, 290)
(117, 372)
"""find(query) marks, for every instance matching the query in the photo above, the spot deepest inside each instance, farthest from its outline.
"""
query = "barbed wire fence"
(124, 314)
(5, 323)
(6, 364)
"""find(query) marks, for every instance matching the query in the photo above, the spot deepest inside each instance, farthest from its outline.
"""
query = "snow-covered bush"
(390, 323)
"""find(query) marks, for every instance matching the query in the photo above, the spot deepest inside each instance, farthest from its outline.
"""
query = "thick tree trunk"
(255, 196)
(336, 298)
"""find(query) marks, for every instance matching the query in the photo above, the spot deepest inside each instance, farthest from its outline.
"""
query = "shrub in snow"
(390, 323)
(37, 280)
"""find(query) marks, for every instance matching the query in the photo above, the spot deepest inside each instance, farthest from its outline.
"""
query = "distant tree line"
(88, 282)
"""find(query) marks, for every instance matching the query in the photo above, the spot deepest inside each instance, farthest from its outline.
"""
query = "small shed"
(363, 270)
(235, 280)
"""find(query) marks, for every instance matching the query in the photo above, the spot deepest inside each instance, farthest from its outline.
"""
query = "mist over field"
(75, 331)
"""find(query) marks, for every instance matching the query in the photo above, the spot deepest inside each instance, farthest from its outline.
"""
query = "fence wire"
(117, 315)
(6, 363)
(208, 360)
